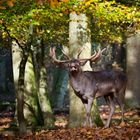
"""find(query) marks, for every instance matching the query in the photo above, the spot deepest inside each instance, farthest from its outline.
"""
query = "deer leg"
(122, 111)
(111, 104)
(88, 106)
(86, 121)
(120, 101)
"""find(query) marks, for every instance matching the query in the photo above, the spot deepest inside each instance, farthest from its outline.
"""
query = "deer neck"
(75, 75)
(75, 80)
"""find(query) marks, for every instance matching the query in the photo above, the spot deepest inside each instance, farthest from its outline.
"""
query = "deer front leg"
(88, 106)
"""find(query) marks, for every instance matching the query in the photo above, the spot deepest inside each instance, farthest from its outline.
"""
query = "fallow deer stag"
(89, 85)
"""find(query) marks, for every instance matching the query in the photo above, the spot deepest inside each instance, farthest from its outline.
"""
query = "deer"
(89, 85)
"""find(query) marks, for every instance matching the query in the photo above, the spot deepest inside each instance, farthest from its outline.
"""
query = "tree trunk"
(32, 110)
(44, 100)
(41, 78)
(20, 96)
(79, 37)
(133, 70)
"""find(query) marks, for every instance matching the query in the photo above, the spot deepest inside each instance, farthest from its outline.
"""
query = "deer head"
(74, 65)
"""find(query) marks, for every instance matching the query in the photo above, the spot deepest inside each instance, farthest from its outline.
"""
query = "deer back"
(109, 82)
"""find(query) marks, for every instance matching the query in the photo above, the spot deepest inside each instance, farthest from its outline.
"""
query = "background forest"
(35, 89)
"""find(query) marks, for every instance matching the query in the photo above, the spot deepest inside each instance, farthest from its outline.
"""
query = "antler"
(95, 56)
(53, 56)
(98, 55)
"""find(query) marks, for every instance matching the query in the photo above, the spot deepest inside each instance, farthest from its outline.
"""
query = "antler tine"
(53, 56)
(103, 50)
(95, 53)
(94, 57)
(51, 52)
(64, 53)
(98, 55)
(86, 59)
(80, 51)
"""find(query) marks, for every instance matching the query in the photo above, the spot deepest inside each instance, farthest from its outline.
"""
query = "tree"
(38, 57)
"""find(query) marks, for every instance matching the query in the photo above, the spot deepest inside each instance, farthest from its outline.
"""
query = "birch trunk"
(79, 37)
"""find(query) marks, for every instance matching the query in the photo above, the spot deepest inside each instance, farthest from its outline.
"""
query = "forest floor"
(130, 130)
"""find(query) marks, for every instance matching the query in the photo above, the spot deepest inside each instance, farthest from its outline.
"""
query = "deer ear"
(83, 62)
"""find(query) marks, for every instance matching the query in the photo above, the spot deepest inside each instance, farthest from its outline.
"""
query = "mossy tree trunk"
(38, 56)
(44, 100)
(32, 110)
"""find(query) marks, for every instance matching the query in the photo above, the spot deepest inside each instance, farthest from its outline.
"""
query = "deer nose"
(73, 68)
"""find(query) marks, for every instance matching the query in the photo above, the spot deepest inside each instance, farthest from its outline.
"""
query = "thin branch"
(13, 38)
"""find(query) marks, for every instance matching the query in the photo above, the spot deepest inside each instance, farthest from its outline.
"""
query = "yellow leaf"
(53, 3)
(61, 14)
(1, 21)
(87, 3)
(64, 0)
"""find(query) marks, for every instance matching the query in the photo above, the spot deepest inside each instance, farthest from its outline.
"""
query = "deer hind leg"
(120, 101)
(88, 106)
(111, 104)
